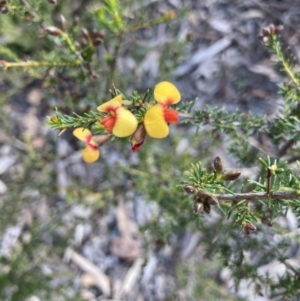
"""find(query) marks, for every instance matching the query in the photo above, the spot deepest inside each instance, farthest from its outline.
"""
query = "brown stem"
(289, 266)
(254, 196)
(293, 159)
(286, 147)
(269, 175)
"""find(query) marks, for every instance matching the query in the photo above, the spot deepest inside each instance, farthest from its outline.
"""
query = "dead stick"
(253, 196)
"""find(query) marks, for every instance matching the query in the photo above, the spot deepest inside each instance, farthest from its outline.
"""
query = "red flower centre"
(168, 102)
(171, 116)
(109, 123)
(88, 139)
(89, 144)
(93, 147)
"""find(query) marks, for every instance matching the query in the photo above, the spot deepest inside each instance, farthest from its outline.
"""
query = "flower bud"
(189, 189)
(169, 15)
(231, 175)
(248, 227)
(270, 30)
(212, 200)
(218, 165)
(54, 119)
(96, 33)
(97, 41)
(4, 10)
(101, 139)
(198, 206)
(138, 137)
(85, 33)
(266, 31)
(97, 37)
(63, 23)
(206, 207)
(84, 43)
(278, 29)
(53, 31)
(203, 194)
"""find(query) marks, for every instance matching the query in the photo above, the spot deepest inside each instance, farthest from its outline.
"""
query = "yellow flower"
(157, 118)
(91, 153)
(120, 121)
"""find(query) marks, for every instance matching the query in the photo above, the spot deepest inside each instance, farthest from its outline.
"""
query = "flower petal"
(90, 154)
(136, 146)
(155, 123)
(82, 134)
(166, 93)
(111, 105)
(126, 123)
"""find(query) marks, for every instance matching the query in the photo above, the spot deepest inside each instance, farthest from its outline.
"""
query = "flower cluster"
(121, 122)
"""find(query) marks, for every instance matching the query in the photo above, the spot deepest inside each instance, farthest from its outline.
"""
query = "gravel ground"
(105, 256)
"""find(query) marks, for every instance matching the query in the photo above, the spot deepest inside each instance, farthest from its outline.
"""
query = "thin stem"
(286, 147)
(287, 67)
(254, 196)
(70, 43)
(33, 64)
(269, 175)
(114, 63)
(289, 266)
(168, 16)
(293, 159)
(290, 72)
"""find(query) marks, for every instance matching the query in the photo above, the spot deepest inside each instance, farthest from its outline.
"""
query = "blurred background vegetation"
(122, 228)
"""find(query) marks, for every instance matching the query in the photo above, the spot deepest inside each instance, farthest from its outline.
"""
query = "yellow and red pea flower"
(91, 153)
(157, 118)
(120, 121)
